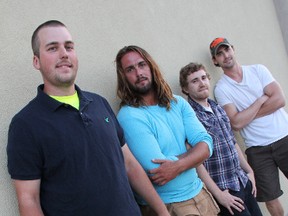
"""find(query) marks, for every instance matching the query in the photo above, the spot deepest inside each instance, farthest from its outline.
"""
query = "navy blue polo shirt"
(76, 154)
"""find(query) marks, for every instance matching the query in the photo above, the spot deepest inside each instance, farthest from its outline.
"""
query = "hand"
(252, 179)
(229, 201)
(167, 171)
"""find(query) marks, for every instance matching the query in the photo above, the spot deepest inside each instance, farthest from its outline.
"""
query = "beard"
(200, 95)
(228, 64)
(143, 90)
(65, 79)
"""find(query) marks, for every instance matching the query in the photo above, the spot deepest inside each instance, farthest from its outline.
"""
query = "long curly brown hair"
(130, 97)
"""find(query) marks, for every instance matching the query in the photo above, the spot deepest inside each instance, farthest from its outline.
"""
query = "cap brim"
(217, 47)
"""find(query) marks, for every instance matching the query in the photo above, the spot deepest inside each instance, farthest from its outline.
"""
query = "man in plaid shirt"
(226, 173)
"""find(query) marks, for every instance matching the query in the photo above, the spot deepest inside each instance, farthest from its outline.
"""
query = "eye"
(142, 64)
(69, 47)
(52, 48)
(129, 69)
(219, 53)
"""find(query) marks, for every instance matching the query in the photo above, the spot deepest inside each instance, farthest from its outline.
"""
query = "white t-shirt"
(261, 131)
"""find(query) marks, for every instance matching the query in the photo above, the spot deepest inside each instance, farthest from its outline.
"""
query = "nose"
(63, 52)
(138, 71)
(225, 54)
(201, 83)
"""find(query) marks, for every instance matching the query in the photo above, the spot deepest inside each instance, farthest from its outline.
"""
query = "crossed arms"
(272, 99)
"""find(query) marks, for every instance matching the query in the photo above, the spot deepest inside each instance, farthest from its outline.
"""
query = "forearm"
(276, 99)
(142, 185)
(208, 181)
(169, 170)
(193, 157)
(243, 162)
(271, 105)
(241, 119)
(246, 167)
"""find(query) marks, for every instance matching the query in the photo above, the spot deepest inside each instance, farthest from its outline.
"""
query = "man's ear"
(214, 61)
(185, 91)
(36, 62)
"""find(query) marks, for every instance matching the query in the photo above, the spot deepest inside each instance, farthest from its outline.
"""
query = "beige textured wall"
(174, 32)
(281, 7)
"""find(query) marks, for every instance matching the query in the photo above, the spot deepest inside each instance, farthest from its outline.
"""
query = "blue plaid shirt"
(224, 165)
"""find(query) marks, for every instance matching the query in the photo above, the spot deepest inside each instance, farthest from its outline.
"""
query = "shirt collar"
(198, 107)
(53, 104)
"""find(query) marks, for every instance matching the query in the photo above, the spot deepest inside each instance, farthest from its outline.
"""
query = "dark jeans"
(250, 203)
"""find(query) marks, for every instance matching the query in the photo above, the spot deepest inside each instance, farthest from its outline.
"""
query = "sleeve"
(264, 75)
(221, 95)
(140, 137)
(24, 157)
(195, 131)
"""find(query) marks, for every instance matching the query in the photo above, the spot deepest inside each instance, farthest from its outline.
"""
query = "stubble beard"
(229, 65)
(144, 90)
(66, 79)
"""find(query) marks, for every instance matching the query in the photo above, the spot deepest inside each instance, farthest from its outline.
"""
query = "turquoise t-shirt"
(152, 132)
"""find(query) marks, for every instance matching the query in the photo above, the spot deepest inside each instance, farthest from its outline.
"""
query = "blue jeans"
(250, 203)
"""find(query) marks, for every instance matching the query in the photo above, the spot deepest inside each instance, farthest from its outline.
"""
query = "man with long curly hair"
(157, 126)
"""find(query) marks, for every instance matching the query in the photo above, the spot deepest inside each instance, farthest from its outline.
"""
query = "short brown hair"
(35, 40)
(187, 70)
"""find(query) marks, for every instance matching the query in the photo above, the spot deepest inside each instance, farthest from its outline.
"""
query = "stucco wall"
(174, 32)
(281, 7)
